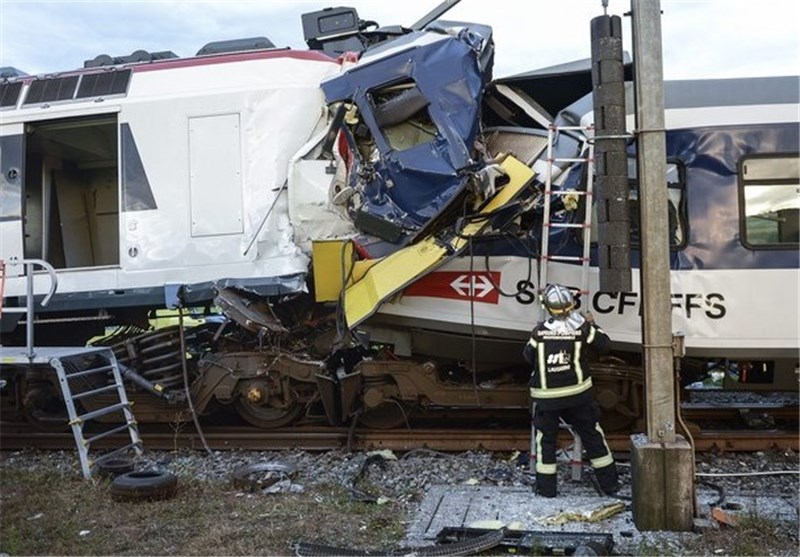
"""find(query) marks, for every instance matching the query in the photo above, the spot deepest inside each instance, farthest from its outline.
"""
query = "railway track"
(694, 411)
(712, 426)
(14, 437)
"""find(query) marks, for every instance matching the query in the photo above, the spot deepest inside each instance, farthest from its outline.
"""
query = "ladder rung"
(107, 433)
(565, 225)
(118, 451)
(567, 192)
(100, 412)
(88, 372)
(572, 128)
(564, 258)
(84, 394)
(576, 159)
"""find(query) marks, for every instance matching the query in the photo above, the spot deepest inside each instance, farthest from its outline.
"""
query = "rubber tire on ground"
(113, 467)
(144, 485)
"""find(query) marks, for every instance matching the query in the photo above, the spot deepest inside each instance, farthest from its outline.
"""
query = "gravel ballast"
(404, 479)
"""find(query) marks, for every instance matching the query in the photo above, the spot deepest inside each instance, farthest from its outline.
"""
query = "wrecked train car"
(365, 234)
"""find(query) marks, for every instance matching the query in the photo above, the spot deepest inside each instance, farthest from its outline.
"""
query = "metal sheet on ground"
(459, 506)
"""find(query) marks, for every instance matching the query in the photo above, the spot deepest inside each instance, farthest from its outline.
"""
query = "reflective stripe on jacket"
(559, 358)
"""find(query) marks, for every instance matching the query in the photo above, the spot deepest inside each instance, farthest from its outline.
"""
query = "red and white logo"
(457, 285)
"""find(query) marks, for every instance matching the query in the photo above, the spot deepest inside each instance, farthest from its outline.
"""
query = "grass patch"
(753, 535)
(42, 512)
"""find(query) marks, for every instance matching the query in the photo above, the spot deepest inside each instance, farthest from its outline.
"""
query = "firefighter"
(561, 387)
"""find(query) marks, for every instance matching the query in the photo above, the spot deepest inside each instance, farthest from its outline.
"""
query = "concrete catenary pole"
(653, 203)
(662, 463)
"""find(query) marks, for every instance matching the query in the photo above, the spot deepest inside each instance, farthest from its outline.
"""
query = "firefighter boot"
(545, 485)
(607, 479)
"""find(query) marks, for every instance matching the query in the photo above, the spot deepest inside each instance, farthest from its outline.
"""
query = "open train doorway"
(71, 204)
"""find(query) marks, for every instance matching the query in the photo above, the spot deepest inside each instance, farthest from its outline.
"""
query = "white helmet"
(558, 301)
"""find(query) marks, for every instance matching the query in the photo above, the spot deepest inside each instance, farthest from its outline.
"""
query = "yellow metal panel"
(396, 271)
(360, 268)
(388, 276)
(329, 258)
(519, 175)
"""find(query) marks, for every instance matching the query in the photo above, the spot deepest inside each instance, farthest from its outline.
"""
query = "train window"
(677, 213)
(770, 200)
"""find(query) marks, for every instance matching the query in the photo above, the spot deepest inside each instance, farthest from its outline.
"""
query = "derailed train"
(363, 233)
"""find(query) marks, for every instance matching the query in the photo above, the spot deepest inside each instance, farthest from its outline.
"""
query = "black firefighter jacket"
(558, 351)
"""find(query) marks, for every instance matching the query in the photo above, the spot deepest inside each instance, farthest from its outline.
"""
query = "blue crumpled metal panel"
(411, 186)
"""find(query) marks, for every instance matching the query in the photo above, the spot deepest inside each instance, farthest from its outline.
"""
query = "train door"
(71, 192)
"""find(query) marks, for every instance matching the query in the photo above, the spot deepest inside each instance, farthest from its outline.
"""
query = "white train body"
(166, 182)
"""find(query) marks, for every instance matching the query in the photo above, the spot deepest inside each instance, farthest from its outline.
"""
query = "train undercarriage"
(282, 365)
(275, 367)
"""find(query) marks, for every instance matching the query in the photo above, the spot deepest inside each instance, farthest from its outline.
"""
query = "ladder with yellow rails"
(587, 158)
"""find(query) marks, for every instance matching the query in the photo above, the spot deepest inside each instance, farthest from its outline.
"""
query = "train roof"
(96, 82)
(557, 87)
(703, 102)
(690, 93)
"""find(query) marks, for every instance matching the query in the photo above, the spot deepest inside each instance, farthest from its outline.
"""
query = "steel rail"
(322, 439)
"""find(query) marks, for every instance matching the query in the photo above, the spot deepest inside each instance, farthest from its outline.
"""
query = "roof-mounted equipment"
(334, 30)
(136, 56)
(236, 45)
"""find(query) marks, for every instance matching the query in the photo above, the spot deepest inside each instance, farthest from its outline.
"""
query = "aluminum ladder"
(72, 377)
(79, 370)
(545, 256)
(586, 225)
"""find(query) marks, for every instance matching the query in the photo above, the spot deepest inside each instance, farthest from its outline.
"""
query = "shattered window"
(770, 200)
(677, 213)
(401, 111)
(676, 218)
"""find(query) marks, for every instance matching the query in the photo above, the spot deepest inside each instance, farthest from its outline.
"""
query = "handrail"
(29, 305)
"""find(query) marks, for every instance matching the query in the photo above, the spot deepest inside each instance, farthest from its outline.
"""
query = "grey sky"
(702, 38)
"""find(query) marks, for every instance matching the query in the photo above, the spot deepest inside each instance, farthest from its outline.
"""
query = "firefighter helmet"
(558, 301)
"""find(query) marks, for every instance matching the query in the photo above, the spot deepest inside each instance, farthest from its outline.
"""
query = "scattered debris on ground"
(360, 500)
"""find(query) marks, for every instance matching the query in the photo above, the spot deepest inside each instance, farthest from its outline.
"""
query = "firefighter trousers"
(584, 421)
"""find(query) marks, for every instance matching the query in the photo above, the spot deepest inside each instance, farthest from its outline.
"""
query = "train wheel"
(268, 405)
(43, 408)
(619, 389)
(267, 417)
(388, 415)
